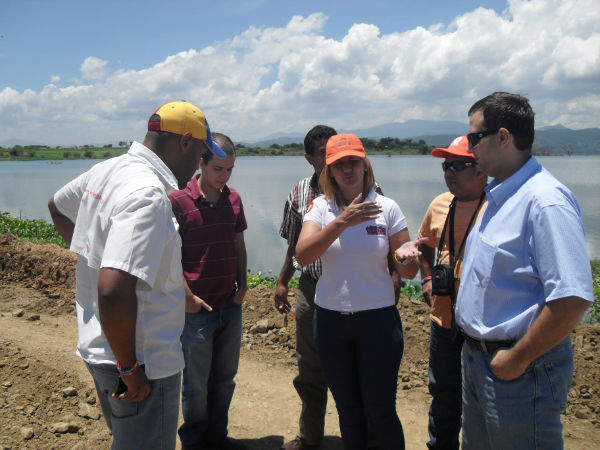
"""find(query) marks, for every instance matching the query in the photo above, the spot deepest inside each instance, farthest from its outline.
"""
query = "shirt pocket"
(483, 263)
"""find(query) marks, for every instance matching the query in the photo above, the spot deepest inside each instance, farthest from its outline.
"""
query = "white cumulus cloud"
(286, 79)
(93, 68)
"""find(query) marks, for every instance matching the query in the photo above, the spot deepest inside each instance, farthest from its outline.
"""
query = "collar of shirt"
(196, 194)
(138, 150)
(498, 191)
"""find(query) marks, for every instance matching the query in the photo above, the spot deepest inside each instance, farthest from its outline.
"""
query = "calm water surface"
(264, 183)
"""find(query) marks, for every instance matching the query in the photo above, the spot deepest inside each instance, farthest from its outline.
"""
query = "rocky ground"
(47, 398)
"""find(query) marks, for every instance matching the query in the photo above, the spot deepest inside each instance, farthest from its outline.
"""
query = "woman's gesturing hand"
(358, 212)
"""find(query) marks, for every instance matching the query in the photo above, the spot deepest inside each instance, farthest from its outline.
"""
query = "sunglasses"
(457, 166)
(474, 138)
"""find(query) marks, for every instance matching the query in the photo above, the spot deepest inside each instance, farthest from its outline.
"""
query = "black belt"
(488, 347)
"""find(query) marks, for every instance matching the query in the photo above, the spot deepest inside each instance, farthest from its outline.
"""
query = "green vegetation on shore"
(384, 146)
(40, 232)
(41, 152)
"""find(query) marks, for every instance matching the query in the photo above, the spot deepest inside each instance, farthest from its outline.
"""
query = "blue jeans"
(310, 382)
(149, 424)
(520, 414)
(445, 387)
(211, 348)
(361, 355)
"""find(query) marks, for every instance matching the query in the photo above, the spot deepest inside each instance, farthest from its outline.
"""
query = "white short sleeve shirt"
(123, 220)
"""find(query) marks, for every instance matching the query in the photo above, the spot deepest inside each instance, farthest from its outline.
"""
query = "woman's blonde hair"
(332, 191)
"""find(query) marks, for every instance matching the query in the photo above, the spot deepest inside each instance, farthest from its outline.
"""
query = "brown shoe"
(297, 444)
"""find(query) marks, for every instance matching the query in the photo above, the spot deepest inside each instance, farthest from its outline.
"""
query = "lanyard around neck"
(450, 219)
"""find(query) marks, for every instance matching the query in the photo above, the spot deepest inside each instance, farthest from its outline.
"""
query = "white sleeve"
(139, 231)
(68, 198)
(315, 212)
(395, 218)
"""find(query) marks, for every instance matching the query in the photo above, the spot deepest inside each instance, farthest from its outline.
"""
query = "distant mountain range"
(557, 139)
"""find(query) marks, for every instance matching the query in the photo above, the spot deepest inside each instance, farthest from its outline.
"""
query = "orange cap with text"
(342, 145)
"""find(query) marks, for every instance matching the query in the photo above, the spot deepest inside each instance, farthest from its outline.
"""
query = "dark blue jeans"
(211, 348)
(445, 387)
(361, 355)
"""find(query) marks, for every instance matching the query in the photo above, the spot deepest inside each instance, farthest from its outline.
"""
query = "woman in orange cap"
(358, 330)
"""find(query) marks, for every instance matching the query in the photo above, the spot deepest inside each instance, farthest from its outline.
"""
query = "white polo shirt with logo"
(355, 266)
(123, 220)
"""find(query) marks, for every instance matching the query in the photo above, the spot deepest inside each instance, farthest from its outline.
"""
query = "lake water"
(264, 183)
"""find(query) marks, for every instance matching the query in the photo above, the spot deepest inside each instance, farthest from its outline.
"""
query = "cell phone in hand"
(120, 387)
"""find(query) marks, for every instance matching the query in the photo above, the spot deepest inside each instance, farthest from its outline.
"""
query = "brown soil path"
(38, 364)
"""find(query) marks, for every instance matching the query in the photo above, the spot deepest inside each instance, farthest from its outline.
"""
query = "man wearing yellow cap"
(129, 283)
(446, 224)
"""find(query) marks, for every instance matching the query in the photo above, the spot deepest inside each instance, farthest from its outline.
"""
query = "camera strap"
(450, 220)
(456, 335)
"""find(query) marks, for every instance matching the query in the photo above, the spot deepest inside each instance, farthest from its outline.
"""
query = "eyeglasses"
(474, 138)
(457, 166)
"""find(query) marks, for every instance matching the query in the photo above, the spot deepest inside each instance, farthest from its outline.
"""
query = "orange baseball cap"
(458, 147)
(181, 117)
(342, 145)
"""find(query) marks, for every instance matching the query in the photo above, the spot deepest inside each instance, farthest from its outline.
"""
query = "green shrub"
(256, 279)
(36, 231)
(593, 314)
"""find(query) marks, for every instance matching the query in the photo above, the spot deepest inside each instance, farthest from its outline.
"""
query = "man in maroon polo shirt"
(211, 224)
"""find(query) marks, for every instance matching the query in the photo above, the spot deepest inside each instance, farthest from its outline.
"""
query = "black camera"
(442, 280)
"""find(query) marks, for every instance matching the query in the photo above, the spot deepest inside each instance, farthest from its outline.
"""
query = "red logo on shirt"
(94, 195)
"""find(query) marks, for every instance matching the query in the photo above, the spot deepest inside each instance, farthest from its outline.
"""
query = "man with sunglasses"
(525, 285)
(466, 183)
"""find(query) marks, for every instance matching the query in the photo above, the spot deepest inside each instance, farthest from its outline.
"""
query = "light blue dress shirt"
(528, 248)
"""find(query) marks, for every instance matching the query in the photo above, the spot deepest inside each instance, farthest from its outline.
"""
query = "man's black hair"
(225, 143)
(315, 134)
(510, 111)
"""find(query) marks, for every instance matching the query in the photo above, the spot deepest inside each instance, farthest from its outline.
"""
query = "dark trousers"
(310, 381)
(361, 355)
(445, 387)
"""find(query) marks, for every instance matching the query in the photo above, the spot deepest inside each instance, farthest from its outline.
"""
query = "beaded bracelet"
(130, 371)
(425, 280)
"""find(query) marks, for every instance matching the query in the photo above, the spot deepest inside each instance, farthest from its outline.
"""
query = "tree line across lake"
(384, 146)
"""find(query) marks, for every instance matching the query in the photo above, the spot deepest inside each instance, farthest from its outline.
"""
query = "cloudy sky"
(83, 72)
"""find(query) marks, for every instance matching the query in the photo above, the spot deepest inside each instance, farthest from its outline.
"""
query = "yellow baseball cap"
(181, 117)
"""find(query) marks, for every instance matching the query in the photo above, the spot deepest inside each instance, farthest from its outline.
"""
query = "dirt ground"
(47, 399)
